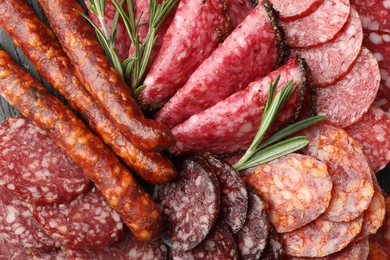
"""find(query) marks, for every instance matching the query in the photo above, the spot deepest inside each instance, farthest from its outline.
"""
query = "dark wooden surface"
(6, 110)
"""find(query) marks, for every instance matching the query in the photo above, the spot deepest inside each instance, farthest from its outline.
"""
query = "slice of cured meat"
(320, 237)
(238, 10)
(379, 44)
(252, 237)
(297, 188)
(377, 251)
(219, 244)
(18, 227)
(184, 48)
(293, 10)
(346, 101)
(34, 167)
(375, 15)
(190, 204)
(372, 134)
(86, 222)
(274, 248)
(234, 196)
(256, 42)
(10, 251)
(318, 27)
(122, 39)
(382, 236)
(231, 124)
(348, 167)
(127, 247)
(332, 60)
(374, 215)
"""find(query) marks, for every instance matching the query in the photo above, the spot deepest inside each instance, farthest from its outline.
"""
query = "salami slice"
(190, 204)
(18, 227)
(122, 39)
(318, 27)
(375, 15)
(372, 134)
(10, 251)
(348, 167)
(297, 189)
(34, 167)
(238, 10)
(180, 52)
(274, 248)
(219, 244)
(377, 251)
(252, 237)
(256, 42)
(87, 222)
(346, 101)
(293, 10)
(234, 196)
(320, 237)
(332, 60)
(231, 124)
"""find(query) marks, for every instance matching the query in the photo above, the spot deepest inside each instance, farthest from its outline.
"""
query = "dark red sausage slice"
(219, 244)
(238, 10)
(86, 222)
(252, 237)
(293, 10)
(34, 167)
(332, 60)
(320, 237)
(251, 51)
(195, 32)
(372, 134)
(297, 188)
(274, 248)
(318, 27)
(348, 167)
(231, 124)
(346, 101)
(375, 15)
(190, 204)
(18, 227)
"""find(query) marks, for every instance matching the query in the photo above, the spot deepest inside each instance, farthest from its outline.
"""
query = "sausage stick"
(45, 52)
(92, 67)
(99, 164)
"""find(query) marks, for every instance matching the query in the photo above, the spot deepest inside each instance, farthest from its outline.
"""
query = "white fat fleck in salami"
(127, 247)
(332, 60)
(18, 227)
(34, 167)
(252, 237)
(372, 133)
(190, 205)
(374, 14)
(320, 237)
(238, 10)
(346, 101)
(234, 196)
(196, 30)
(219, 244)
(318, 27)
(348, 167)
(293, 10)
(297, 188)
(86, 222)
(231, 124)
(251, 51)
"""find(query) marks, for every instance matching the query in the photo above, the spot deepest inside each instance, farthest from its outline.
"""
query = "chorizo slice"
(231, 124)
(320, 237)
(101, 80)
(318, 27)
(348, 167)
(251, 51)
(195, 32)
(99, 164)
(331, 61)
(53, 64)
(293, 10)
(345, 102)
(380, 241)
(190, 205)
(46, 174)
(297, 189)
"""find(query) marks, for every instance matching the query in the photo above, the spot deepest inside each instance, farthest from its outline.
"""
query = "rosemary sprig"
(261, 152)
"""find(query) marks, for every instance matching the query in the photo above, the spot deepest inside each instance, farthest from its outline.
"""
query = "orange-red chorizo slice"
(297, 189)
